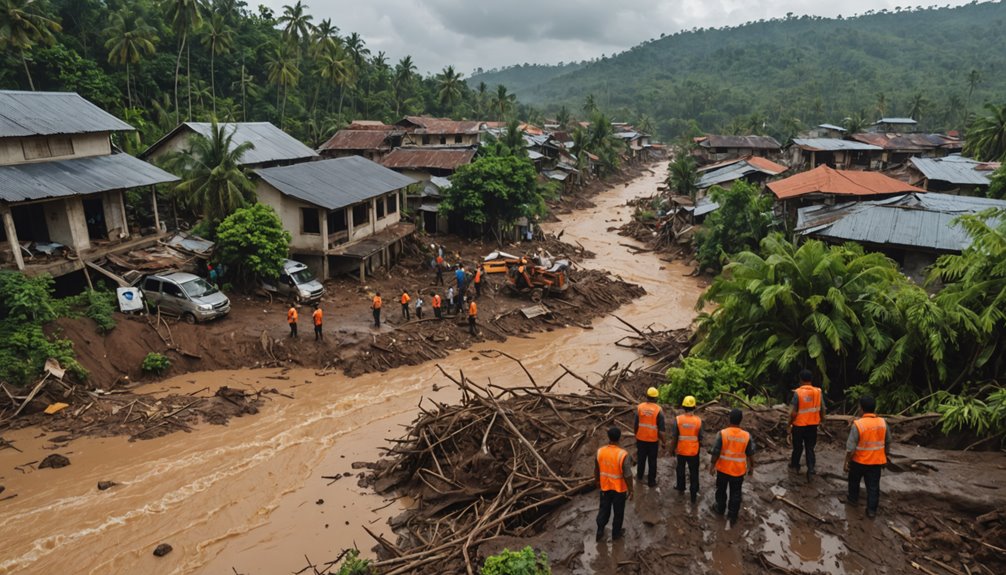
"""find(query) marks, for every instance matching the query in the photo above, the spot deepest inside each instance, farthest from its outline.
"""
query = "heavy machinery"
(538, 281)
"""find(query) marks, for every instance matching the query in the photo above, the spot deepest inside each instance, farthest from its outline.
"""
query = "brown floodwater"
(249, 497)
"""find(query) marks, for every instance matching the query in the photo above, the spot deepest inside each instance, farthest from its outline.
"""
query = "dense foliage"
(155, 363)
(495, 189)
(742, 220)
(777, 76)
(706, 380)
(523, 562)
(253, 243)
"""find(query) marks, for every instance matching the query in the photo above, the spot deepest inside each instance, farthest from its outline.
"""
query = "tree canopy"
(742, 220)
(495, 189)
(253, 243)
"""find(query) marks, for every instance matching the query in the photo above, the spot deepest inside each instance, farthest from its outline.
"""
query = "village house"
(753, 169)
(424, 163)
(952, 174)
(423, 131)
(715, 148)
(370, 139)
(898, 148)
(426, 204)
(272, 146)
(894, 125)
(836, 153)
(825, 131)
(343, 214)
(62, 186)
(826, 185)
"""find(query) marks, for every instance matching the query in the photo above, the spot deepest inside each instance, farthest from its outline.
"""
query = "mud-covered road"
(251, 496)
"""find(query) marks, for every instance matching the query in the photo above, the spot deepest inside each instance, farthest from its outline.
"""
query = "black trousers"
(377, 317)
(436, 312)
(419, 313)
(478, 289)
(611, 500)
(692, 461)
(733, 505)
(405, 311)
(471, 325)
(293, 329)
(869, 473)
(317, 333)
(804, 439)
(646, 452)
(440, 276)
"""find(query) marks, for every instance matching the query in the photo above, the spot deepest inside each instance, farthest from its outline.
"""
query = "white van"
(295, 282)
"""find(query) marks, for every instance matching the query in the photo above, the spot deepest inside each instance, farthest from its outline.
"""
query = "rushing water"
(250, 496)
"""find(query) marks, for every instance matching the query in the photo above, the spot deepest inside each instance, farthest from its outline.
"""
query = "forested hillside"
(777, 76)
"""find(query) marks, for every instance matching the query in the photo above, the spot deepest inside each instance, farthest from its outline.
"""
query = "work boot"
(871, 513)
(810, 474)
(616, 536)
(651, 483)
(600, 535)
(793, 468)
(694, 496)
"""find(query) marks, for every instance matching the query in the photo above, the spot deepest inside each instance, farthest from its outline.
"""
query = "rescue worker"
(291, 319)
(317, 315)
(805, 416)
(405, 305)
(376, 306)
(866, 454)
(436, 302)
(686, 438)
(478, 281)
(732, 459)
(473, 312)
(649, 428)
(613, 474)
(459, 276)
(440, 269)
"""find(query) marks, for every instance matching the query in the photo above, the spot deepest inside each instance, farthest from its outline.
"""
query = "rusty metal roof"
(358, 140)
(740, 169)
(829, 181)
(833, 145)
(335, 183)
(429, 158)
(25, 114)
(77, 177)
(427, 125)
(903, 142)
(752, 142)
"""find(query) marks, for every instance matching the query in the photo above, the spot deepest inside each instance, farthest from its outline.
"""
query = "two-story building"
(272, 146)
(716, 148)
(62, 186)
(343, 214)
(423, 131)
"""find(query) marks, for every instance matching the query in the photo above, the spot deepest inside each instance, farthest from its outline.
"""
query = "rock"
(319, 502)
(162, 550)
(2, 488)
(54, 461)
(103, 485)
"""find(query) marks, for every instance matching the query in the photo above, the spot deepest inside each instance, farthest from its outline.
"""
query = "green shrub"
(353, 565)
(970, 412)
(155, 363)
(704, 379)
(523, 562)
(98, 305)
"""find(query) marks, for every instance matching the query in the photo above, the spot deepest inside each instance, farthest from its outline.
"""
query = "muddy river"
(250, 497)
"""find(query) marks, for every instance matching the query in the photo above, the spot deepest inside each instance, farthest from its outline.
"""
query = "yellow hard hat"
(689, 401)
(652, 392)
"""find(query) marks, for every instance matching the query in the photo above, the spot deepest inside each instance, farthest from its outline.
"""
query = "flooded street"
(251, 496)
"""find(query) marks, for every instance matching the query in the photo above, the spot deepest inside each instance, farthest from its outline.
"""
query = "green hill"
(780, 75)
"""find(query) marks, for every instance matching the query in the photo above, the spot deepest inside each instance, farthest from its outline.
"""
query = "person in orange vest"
(805, 416)
(649, 428)
(473, 312)
(436, 302)
(405, 305)
(291, 319)
(478, 280)
(732, 459)
(440, 270)
(866, 454)
(376, 306)
(613, 474)
(316, 316)
(686, 438)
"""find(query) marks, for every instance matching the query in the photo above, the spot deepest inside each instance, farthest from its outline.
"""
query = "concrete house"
(952, 174)
(715, 148)
(343, 214)
(273, 147)
(834, 152)
(423, 131)
(370, 139)
(61, 185)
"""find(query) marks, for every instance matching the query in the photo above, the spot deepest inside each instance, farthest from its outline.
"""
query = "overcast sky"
(494, 33)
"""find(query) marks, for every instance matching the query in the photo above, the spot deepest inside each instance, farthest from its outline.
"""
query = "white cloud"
(482, 33)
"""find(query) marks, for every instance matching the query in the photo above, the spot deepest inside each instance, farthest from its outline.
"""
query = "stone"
(103, 485)
(54, 461)
(162, 550)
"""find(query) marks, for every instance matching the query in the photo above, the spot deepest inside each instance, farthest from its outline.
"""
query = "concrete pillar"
(363, 270)
(348, 214)
(373, 215)
(153, 203)
(324, 244)
(11, 231)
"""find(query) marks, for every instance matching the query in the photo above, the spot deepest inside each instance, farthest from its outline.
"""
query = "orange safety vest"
(478, 276)
(440, 260)
(647, 413)
(436, 301)
(808, 411)
(733, 459)
(610, 462)
(688, 434)
(291, 315)
(317, 316)
(872, 436)
(473, 310)
(377, 302)
(405, 298)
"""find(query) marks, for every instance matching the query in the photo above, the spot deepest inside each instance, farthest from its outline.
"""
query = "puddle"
(806, 550)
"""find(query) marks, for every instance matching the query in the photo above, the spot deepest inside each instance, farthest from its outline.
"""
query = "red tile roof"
(825, 180)
(427, 158)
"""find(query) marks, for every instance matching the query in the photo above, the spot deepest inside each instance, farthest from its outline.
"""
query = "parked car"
(187, 296)
(295, 282)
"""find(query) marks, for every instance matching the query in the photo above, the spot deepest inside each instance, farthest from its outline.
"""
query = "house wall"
(115, 214)
(289, 213)
(174, 144)
(12, 150)
(66, 223)
(450, 140)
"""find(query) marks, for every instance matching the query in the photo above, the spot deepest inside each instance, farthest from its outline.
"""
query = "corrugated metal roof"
(911, 220)
(336, 183)
(833, 145)
(753, 142)
(904, 142)
(358, 140)
(555, 175)
(952, 169)
(533, 155)
(896, 121)
(428, 158)
(77, 176)
(49, 113)
(271, 143)
(831, 127)
(737, 170)
(826, 180)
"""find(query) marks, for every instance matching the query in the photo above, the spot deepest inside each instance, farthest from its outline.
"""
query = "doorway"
(94, 214)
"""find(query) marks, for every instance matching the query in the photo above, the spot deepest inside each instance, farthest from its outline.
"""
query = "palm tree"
(358, 51)
(185, 16)
(503, 102)
(881, 106)
(482, 99)
(589, 105)
(213, 182)
(917, 107)
(855, 124)
(245, 84)
(405, 72)
(986, 139)
(283, 72)
(129, 38)
(296, 23)
(22, 25)
(337, 69)
(513, 138)
(683, 176)
(448, 87)
(562, 117)
(974, 79)
(218, 39)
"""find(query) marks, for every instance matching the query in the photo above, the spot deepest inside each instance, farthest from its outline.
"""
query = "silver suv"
(296, 282)
(185, 295)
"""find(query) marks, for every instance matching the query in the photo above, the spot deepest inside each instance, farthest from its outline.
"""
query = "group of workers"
(732, 453)
(454, 299)
(292, 317)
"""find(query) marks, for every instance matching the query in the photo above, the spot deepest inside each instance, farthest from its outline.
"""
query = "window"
(152, 285)
(361, 214)
(61, 146)
(309, 222)
(392, 203)
(443, 140)
(426, 140)
(173, 290)
(336, 221)
(46, 147)
(380, 208)
(458, 138)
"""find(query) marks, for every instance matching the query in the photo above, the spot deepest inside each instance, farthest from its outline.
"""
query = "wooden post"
(125, 219)
(363, 270)
(11, 231)
(153, 202)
